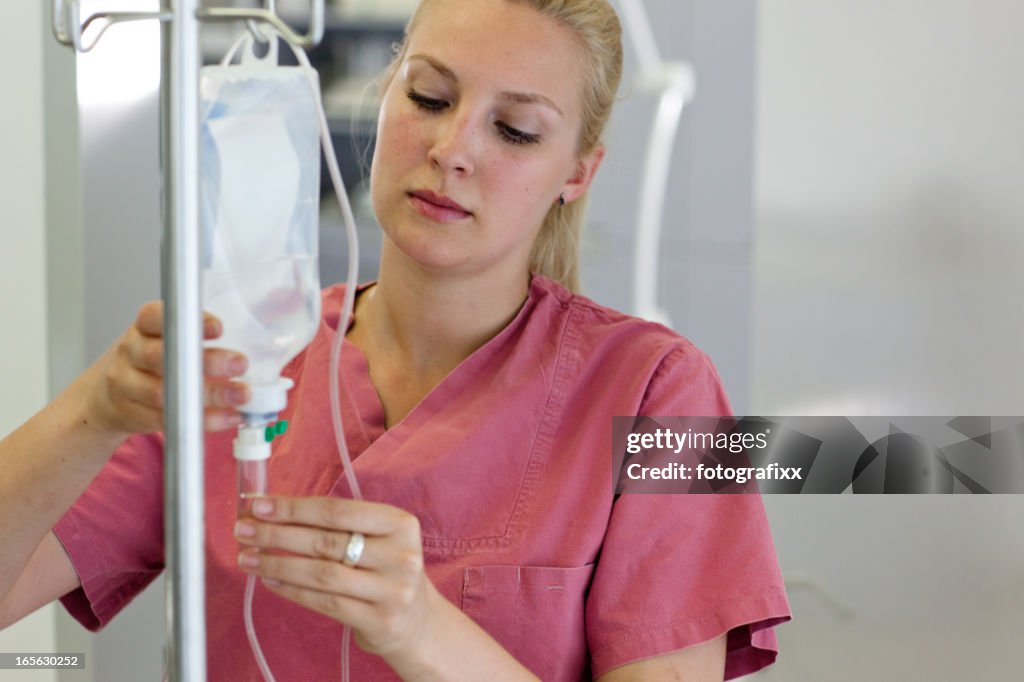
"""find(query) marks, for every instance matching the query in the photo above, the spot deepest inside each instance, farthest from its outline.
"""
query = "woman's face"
(477, 136)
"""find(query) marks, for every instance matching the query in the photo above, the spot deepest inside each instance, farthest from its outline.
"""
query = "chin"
(430, 250)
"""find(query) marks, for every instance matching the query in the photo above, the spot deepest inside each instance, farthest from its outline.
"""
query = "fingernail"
(270, 582)
(238, 364)
(248, 560)
(211, 328)
(236, 395)
(263, 507)
(223, 422)
(245, 530)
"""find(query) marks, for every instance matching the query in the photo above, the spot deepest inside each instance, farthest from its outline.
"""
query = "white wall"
(890, 228)
(902, 105)
(23, 352)
(889, 204)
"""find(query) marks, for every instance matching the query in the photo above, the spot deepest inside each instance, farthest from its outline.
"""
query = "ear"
(586, 169)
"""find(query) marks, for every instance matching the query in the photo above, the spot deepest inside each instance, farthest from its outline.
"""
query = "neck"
(429, 322)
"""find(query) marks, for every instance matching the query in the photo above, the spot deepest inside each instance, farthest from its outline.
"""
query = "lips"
(438, 200)
(437, 207)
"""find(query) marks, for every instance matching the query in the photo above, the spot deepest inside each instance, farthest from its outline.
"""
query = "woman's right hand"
(124, 389)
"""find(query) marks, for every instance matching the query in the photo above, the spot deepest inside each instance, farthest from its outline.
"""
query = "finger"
(369, 518)
(145, 353)
(221, 418)
(348, 610)
(312, 542)
(225, 393)
(319, 575)
(212, 327)
(136, 409)
(223, 363)
(126, 383)
(150, 319)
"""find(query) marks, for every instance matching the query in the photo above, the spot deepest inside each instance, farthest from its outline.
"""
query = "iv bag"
(259, 193)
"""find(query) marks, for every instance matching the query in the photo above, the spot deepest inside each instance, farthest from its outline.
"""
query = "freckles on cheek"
(513, 176)
(402, 136)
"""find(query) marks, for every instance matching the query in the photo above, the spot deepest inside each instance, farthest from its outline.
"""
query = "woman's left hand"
(386, 597)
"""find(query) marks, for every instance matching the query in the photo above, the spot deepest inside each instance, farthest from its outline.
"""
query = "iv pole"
(675, 85)
(182, 293)
(184, 529)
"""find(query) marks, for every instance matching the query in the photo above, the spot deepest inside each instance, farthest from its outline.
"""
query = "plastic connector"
(266, 399)
(251, 444)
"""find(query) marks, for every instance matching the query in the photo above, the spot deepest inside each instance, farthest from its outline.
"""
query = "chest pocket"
(535, 612)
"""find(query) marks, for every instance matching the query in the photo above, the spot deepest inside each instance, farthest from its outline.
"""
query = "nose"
(453, 148)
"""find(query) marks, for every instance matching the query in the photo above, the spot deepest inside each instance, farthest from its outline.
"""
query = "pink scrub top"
(507, 465)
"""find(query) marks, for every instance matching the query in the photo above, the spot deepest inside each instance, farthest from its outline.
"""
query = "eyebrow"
(518, 97)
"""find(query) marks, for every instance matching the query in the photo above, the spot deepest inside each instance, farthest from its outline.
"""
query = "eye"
(426, 103)
(514, 136)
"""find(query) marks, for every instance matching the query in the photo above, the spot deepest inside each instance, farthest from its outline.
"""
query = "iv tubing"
(343, 322)
(346, 315)
(250, 630)
(252, 482)
(350, 284)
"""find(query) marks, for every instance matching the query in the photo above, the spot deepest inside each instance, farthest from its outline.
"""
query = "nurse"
(479, 389)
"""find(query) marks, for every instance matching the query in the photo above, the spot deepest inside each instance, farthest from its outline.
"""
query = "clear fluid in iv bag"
(268, 311)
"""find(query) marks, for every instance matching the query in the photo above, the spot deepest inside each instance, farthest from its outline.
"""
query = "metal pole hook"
(309, 39)
(68, 27)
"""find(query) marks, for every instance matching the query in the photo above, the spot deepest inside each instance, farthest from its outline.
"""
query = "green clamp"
(275, 430)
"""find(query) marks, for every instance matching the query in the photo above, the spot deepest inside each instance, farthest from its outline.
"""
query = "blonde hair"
(555, 252)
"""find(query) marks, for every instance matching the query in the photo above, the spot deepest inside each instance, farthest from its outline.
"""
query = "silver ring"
(354, 549)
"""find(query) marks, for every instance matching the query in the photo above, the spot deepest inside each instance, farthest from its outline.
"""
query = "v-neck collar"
(363, 400)
(486, 426)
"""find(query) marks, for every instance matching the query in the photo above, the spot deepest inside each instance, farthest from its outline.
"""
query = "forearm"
(45, 465)
(453, 647)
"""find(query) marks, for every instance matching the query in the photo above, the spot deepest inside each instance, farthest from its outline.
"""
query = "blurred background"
(843, 235)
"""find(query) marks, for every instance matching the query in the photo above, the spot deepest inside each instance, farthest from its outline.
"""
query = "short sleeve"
(679, 569)
(114, 533)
